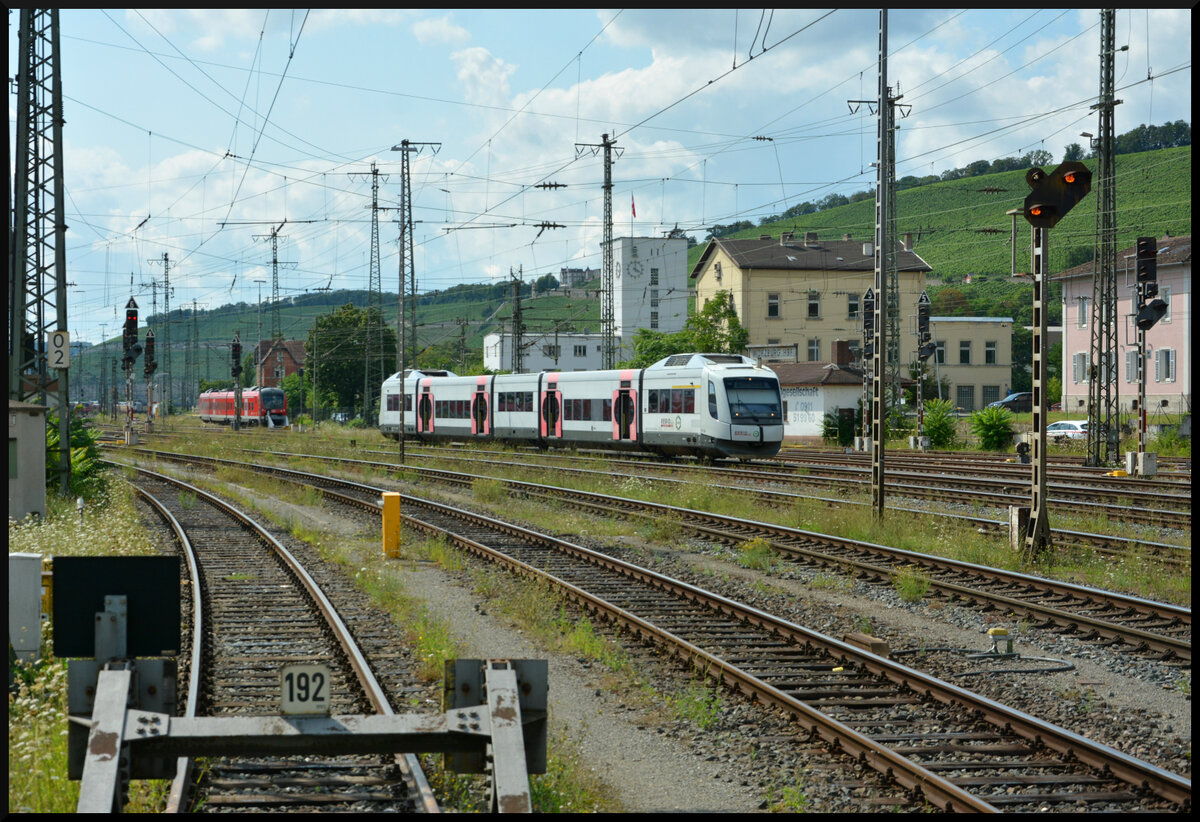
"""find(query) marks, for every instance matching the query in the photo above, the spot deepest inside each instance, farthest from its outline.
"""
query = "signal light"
(236, 352)
(151, 365)
(1150, 313)
(131, 346)
(1056, 193)
(868, 311)
(926, 350)
(1147, 259)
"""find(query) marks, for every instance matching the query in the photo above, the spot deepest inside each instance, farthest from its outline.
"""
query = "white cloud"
(440, 30)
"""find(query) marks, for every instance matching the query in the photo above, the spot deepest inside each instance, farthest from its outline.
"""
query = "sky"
(195, 134)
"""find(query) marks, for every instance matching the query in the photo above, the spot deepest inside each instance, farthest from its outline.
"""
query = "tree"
(335, 353)
(715, 329)
(1074, 153)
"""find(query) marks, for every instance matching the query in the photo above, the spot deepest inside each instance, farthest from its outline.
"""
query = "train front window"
(753, 400)
(272, 400)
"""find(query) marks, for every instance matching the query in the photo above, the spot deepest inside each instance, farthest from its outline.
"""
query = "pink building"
(1168, 346)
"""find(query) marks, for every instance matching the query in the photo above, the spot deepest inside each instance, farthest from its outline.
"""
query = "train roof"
(701, 360)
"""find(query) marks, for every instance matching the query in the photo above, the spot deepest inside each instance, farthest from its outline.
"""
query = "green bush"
(941, 426)
(87, 475)
(834, 430)
(993, 427)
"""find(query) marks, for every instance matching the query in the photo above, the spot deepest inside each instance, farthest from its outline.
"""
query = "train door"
(551, 416)
(624, 413)
(480, 413)
(425, 409)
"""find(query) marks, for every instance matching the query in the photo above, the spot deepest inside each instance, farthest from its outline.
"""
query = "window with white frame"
(772, 306)
(989, 354)
(1164, 365)
(814, 305)
(939, 353)
(552, 351)
(964, 352)
(991, 393)
(1131, 357)
(1082, 319)
(814, 350)
(1079, 367)
(1164, 294)
(853, 306)
(580, 351)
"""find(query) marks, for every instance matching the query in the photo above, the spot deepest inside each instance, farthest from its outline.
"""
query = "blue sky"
(194, 133)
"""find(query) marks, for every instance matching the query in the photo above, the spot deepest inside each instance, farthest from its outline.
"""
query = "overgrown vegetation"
(993, 427)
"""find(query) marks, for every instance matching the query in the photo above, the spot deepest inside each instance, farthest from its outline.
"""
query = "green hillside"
(960, 227)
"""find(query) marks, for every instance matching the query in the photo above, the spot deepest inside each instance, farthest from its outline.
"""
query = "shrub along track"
(941, 743)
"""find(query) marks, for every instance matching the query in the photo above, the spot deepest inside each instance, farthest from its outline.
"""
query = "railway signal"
(151, 365)
(925, 343)
(131, 346)
(236, 365)
(1150, 308)
(1056, 193)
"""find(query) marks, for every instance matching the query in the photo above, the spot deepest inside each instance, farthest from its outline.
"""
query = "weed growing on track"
(699, 703)
(757, 554)
(911, 583)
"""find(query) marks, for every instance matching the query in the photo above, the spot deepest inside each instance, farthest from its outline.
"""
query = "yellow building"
(973, 354)
(808, 292)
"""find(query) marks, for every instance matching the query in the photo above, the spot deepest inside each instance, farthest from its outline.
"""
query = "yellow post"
(391, 524)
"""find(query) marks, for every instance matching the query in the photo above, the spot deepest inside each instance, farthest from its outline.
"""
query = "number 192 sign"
(305, 689)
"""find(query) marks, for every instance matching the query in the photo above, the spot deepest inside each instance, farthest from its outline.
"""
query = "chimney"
(786, 237)
(846, 238)
(764, 236)
(908, 244)
(868, 249)
(810, 238)
(843, 356)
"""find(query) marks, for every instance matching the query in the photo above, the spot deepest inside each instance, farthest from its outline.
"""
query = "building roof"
(800, 254)
(17, 405)
(294, 348)
(815, 373)
(1171, 251)
(949, 319)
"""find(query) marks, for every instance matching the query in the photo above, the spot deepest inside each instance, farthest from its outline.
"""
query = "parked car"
(1067, 430)
(1018, 403)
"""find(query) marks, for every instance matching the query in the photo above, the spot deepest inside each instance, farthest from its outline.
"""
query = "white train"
(713, 405)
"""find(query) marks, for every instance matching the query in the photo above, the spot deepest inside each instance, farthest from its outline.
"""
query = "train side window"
(712, 400)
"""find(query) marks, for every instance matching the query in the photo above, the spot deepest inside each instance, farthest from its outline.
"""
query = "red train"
(260, 406)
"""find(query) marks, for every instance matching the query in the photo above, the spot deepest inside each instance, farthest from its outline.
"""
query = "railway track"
(940, 743)
(1132, 504)
(1119, 546)
(1152, 628)
(255, 608)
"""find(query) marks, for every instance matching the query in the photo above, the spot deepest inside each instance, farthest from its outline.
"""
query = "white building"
(650, 290)
(545, 352)
(650, 287)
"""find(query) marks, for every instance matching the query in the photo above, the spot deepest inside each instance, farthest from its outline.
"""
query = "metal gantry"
(1102, 434)
(607, 274)
(37, 250)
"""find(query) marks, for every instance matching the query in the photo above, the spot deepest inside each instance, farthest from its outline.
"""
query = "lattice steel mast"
(37, 265)
(1103, 445)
